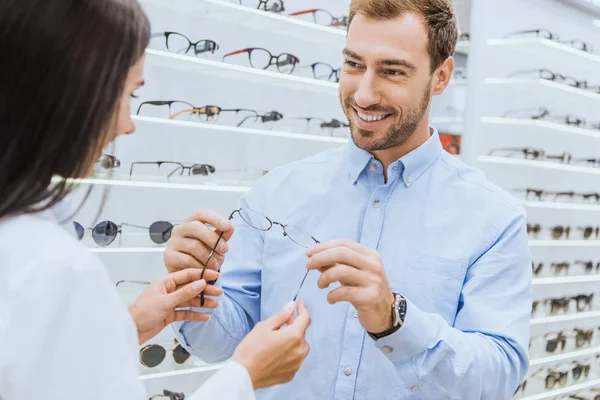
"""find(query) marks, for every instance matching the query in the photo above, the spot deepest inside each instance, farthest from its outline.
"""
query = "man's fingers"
(186, 315)
(201, 233)
(196, 303)
(196, 249)
(213, 291)
(186, 293)
(342, 243)
(337, 255)
(342, 293)
(212, 218)
(174, 259)
(303, 320)
(343, 274)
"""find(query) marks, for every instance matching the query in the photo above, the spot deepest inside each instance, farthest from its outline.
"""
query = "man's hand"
(191, 242)
(363, 280)
(155, 308)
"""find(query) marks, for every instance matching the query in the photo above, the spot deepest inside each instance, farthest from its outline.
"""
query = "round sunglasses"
(105, 232)
(153, 355)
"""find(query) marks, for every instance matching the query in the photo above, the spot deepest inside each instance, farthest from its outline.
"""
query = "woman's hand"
(272, 354)
(156, 307)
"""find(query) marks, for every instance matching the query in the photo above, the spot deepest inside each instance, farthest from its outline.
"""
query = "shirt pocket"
(432, 283)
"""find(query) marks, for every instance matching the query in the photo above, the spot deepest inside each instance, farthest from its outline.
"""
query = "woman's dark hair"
(63, 66)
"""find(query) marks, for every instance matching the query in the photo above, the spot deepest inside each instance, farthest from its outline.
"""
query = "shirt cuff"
(411, 339)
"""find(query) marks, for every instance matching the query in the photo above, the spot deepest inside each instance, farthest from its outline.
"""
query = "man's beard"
(397, 134)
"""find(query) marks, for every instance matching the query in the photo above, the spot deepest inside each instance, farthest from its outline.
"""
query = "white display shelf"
(542, 127)
(448, 120)
(161, 185)
(247, 74)
(235, 130)
(187, 371)
(549, 205)
(538, 164)
(104, 250)
(564, 243)
(565, 318)
(586, 101)
(463, 47)
(559, 392)
(234, 13)
(566, 280)
(563, 357)
(564, 58)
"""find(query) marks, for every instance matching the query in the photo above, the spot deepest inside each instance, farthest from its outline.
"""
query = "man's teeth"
(371, 118)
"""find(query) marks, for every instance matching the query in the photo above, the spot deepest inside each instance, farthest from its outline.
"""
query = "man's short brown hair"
(438, 15)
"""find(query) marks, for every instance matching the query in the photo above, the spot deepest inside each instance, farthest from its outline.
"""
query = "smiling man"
(420, 287)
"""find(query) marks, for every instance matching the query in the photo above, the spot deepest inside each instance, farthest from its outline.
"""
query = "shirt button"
(376, 203)
(347, 372)
(387, 349)
(408, 179)
(414, 387)
(355, 314)
(373, 167)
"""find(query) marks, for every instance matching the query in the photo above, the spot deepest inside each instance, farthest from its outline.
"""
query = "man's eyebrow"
(387, 62)
(397, 62)
(352, 54)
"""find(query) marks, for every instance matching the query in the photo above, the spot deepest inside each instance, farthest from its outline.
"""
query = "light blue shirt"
(451, 242)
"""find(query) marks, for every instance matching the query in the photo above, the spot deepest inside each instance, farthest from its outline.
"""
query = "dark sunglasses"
(580, 370)
(180, 44)
(262, 59)
(105, 232)
(262, 223)
(323, 17)
(153, 355)
(167, 394)
(556, 343)
(108, 162)
(589, 265)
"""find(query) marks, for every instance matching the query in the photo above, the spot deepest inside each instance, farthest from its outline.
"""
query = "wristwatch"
(398, 314)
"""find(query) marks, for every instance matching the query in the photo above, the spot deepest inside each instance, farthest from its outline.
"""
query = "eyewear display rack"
(532, 127)
(212, 138)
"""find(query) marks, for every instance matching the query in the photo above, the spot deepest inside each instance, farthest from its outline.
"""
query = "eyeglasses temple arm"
(303, 279)
(312, 10)
(212, 252)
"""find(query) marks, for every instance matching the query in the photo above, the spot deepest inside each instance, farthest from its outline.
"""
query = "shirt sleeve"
(231, 382)
(67, 334)
(239, 307)
(485, 354)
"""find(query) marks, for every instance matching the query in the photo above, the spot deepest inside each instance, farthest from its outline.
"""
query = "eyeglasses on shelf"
(179, 43)
(263, 59)
(169, 395)
(323, 17)
(104, 233)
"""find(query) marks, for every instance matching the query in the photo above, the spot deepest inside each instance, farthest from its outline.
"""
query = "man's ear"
(442, 76)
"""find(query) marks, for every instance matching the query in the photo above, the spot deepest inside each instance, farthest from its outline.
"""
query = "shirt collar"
(412, 165)
(420, 159)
